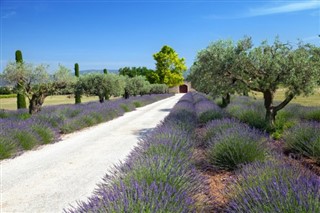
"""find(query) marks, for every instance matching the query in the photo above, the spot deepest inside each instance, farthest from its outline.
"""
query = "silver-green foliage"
(102, 85)
(226, 67)
(137, 85)
(37, 82)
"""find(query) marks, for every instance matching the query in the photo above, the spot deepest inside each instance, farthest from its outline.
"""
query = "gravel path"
(56, 175)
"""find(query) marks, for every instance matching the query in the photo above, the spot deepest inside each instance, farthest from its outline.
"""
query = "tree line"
(35, 83)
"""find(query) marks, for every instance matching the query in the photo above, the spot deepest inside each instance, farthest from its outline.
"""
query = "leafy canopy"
(169, 66)
(101, 85)
(36, 83)
(225, 67)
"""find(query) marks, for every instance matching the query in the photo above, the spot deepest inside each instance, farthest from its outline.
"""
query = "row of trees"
(105, 86)
(35, 83)
(225, 68)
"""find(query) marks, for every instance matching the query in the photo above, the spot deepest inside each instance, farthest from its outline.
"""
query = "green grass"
(312, 100)
(10, 103)
(8, 96)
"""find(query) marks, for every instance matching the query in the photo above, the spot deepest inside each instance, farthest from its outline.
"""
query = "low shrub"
(284, 121)
(137, 104)
(218, 126)
(207, 110)
(137, 197)
(304, 138)
(248, 111)
(312, 114)
(5, 90)
(45, 133)
(235, 147)
(158, 89)
(209, 116)
(274, 187)
(25, 139)
(125, 107)
(4, 114)
(7, 148)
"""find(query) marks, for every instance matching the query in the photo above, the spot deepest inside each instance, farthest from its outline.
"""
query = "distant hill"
(83, 72)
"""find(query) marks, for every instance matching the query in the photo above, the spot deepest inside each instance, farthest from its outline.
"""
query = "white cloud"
(9, 14)
(286, 8)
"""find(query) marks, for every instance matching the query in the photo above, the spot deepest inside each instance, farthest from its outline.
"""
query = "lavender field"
(20, 131)
(166, 173)
(178, 166)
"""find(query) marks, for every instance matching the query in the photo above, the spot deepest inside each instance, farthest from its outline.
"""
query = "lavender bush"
(207, 110)
(236, 146)
(248, 111)
(304, 138)
(274, 187)
(183, 115)
(309, 113)
(218, 126)
(137, 197)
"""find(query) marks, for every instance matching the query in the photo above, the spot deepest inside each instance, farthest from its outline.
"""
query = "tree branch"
(283, 103)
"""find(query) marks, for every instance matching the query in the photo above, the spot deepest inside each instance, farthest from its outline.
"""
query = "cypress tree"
(105, 71)
(21, 99)
(77, 74)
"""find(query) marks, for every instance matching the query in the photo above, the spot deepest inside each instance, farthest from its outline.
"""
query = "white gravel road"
(56, 175)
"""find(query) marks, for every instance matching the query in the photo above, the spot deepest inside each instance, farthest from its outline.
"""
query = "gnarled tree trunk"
(270, 111)
(225, 100)
(101, 98)
(36, 102)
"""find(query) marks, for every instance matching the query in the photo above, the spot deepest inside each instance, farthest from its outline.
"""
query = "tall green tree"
(169, 67)
(77, 92)
(264, 69)
(21, 99)
(37, 83)
(105, 71)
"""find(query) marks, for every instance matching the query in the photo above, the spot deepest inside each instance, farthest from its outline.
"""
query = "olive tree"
(137, 85)
(268, 67)
(101, 85)
(264, 69)
(37, 83)
(208, 73)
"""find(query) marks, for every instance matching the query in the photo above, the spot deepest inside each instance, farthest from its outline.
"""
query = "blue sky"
(114, 34)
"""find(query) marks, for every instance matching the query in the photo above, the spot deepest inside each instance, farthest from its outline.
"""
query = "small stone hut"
(183, 88)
